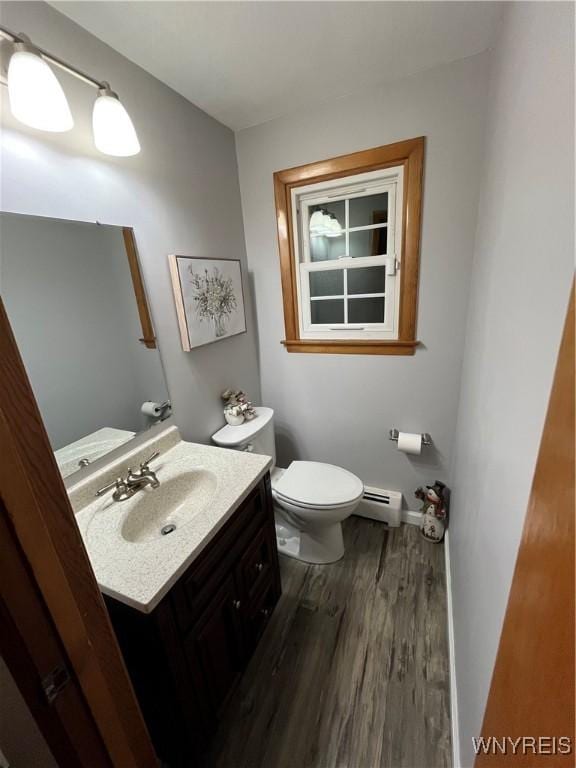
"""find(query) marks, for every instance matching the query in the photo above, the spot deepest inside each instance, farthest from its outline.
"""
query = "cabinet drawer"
(197, 586)
(256, 564)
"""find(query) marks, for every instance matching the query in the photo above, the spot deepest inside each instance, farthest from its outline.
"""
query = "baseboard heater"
(378, 504)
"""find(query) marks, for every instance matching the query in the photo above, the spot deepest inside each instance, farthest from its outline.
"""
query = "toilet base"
(319, 547)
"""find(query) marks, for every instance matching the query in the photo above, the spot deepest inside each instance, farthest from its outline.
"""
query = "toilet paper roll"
(409, 442)
(149, 408)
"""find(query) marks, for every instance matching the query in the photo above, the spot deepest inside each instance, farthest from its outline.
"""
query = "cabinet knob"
(259, 567)
(237, 604)
(265, 612)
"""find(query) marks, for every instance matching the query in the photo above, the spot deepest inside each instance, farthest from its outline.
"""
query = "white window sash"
(362, 185)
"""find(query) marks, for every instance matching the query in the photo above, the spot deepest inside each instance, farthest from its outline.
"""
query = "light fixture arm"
(55, 60)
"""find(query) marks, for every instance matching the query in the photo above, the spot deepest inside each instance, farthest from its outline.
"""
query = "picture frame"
(209, 299)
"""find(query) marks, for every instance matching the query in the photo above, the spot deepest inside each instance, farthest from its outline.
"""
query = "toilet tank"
(256, 435)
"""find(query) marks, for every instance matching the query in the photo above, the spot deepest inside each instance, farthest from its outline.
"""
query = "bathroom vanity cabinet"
(185, 657)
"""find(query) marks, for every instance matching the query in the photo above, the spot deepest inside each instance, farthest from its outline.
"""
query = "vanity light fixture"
(317, 223)
(333, 228)
(38, 100)
(324, 223)
(114, 132)
(36, 96)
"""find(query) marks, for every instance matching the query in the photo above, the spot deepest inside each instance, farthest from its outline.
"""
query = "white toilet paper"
(409, 442)
(152, 409)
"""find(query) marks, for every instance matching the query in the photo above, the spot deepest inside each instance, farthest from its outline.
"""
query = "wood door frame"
(31, 649)
(41, 519)
(532, 690)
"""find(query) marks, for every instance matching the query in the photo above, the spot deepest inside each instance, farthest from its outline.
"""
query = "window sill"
(351, 347)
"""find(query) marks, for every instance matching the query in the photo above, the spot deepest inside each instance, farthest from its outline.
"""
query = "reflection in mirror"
(369, 242)
(368, 210)
(84, 338)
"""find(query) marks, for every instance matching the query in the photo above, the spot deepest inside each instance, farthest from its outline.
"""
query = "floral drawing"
(214, 298)
(209, 299)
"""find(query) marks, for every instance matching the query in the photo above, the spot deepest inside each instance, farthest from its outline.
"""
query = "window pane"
(366, 310)
(324, 248)
(369, 242)
(337, 209)
(372, 209)
(327, 311)
(327, 219)
(368, 280)
(330, 283)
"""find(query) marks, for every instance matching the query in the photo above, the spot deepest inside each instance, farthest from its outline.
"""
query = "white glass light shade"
(36, 96)
(333, 228)
(114, 133)
(317, 223)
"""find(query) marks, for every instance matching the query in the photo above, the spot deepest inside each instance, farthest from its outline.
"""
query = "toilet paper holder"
(426, 438)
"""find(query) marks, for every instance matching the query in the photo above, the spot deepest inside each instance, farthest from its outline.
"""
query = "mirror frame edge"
(148, 336)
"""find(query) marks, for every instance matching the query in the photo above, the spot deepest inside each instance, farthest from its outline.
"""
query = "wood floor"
(352, 671)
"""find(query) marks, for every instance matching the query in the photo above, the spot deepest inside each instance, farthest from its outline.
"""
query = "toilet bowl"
(311, 499)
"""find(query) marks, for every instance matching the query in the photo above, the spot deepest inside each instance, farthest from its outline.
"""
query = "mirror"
(75, 299)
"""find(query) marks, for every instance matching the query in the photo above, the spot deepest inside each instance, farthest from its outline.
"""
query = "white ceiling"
(248, 62)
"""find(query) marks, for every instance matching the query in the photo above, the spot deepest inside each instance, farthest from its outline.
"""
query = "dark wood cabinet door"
(203, 632)
(256, 564)
(216, 646)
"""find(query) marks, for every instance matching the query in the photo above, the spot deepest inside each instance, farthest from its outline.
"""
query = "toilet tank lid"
(230, 437)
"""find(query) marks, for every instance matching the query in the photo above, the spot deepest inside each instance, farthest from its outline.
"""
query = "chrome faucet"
(143, 476)
(125, 488)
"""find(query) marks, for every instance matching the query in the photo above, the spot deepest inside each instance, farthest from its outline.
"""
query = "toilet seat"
(314, 485)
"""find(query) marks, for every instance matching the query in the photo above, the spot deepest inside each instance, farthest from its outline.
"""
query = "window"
(346, 256)
(348, 232)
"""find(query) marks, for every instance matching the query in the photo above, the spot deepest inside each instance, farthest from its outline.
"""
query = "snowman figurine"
(434, 521)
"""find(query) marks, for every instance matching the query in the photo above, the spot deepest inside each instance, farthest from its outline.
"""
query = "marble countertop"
(132, 561)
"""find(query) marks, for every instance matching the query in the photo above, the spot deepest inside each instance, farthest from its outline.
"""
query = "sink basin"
(200, 487)
(157, 512)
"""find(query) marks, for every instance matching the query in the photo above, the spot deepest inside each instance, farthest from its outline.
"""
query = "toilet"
(311, 499)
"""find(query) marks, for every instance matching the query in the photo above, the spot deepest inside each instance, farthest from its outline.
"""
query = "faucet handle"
(144, 464)
(118, 483)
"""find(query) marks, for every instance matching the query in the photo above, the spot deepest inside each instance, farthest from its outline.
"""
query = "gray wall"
(523, 265)
(180, 194)
(339, 408)
(69, 297)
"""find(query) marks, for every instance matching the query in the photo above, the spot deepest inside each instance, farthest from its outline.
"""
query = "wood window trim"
(148, 337)
(410, 155)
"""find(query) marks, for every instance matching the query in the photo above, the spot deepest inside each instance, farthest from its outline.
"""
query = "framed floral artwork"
(209, 299)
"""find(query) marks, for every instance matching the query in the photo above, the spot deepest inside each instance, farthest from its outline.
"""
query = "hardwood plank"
(352, 671)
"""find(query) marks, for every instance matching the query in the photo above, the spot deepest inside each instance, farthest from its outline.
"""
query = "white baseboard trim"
(451, 657)
(412, 518)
